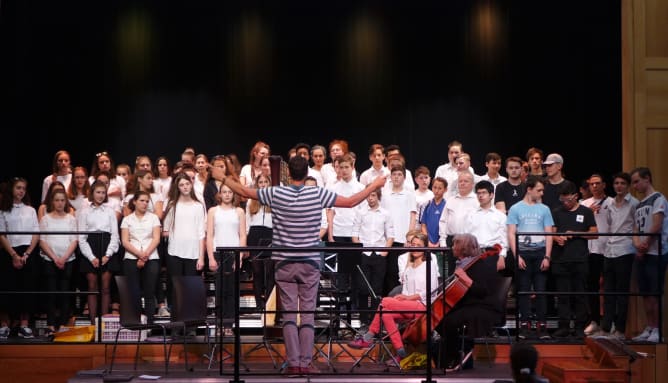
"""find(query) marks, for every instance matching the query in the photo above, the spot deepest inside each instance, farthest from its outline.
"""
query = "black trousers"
(616, 278)
(570, 277)
(594, 285)
(58, 305)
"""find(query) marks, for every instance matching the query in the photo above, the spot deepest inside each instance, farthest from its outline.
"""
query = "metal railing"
(36, 253)
(338, 249)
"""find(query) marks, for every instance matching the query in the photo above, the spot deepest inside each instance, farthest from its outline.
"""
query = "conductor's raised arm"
(219, 174)
(360, 196)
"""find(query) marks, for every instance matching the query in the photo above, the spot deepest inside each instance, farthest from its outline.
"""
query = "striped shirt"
(296, 212)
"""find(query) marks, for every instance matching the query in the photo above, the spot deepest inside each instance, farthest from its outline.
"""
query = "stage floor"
(263, 372)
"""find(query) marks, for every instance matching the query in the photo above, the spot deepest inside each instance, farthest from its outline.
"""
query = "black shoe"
(562, 332)
(541, 331)
(525, 331)
(25, 332)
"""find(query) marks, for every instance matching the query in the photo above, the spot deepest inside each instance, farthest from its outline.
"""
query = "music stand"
(333, 292)
(345, 262)
(379, 340)
(265, 344)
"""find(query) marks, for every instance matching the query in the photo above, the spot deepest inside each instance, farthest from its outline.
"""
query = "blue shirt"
(430, 217)
(530, 219)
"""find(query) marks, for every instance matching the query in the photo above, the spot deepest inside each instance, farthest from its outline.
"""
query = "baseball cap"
(553, 158)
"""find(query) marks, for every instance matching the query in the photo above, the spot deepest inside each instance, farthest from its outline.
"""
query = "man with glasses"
(569, 261)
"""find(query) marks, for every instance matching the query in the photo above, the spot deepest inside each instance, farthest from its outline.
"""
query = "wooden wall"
(645, 87)
(645, 111)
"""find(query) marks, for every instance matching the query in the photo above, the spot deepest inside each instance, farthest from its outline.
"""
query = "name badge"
(580, 218)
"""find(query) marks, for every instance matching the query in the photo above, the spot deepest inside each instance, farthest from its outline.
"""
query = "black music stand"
(339, 286)
(344, 263)
(265, 344)
(379, 339)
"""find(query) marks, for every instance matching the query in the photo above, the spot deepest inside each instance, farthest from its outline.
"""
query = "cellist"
(477, 308)
(413, 297)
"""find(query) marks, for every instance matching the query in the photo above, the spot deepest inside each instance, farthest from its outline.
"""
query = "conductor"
(296, 213)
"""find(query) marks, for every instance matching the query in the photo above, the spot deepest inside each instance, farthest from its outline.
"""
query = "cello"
(416, 332)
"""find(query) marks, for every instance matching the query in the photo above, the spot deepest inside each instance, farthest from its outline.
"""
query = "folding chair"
(130, 319)
(190, 306)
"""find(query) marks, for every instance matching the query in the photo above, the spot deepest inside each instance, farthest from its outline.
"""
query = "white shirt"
(415, 282)
(372, 173)
(449, 172)
(423, 197)
(494, 181)
(373, 227)
(401, 205)
(597, 246)
(162, 185)
(261, 218)
(97, 218)
(225, 227)
(186, 224)
(453, 218)
(140, 232)
(329, 175)
(343, 217)
(318, 177)
(620, 220)
(65, 180)
(489, 228)
(198, 187)
(79, 202)
(57, 242)
(21, 218)
(446, 170)
(402, 262)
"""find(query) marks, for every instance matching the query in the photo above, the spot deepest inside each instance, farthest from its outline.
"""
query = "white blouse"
(416, 282)
(140, 232)
(186, 224)
(21, 218)
(57, 242)
(98, 218)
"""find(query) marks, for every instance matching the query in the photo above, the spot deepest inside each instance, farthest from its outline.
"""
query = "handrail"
(658, 293)
(319, 249)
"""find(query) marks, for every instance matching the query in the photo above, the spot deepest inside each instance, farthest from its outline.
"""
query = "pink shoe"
(359, 343)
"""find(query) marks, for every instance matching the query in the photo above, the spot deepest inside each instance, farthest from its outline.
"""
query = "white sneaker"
(592, 328)
(653, 336)
(643, 335)
(163, 312)
(4, 332)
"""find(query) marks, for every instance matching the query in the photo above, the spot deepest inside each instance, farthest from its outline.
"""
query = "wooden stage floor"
(86, 362)
(263, 372)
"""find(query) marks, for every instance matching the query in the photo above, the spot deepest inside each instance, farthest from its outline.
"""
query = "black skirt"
(99, 243)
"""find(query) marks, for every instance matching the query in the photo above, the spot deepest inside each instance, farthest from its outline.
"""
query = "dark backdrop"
(151, 77)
